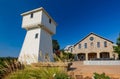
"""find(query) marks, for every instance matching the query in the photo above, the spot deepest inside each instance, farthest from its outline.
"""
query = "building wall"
(46, 44)
(49, 26)
(29, 22)
(30, 48)
(70, 49)
(33, 47)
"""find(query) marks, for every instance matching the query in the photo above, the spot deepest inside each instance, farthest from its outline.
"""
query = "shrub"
(8, 65)
(100, 76)
(39, 73)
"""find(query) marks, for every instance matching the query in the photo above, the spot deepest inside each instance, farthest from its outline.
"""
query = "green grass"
(39, 73)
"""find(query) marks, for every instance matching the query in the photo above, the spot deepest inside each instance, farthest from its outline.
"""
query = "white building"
(69, 48)
(37, 44)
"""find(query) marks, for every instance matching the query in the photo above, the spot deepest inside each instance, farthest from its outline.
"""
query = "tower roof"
(36, 10)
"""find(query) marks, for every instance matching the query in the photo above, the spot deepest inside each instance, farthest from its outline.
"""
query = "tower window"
(31, 15)
(105, 44)
(36, 35)
(85, 45)
(98, 44)
(50, 21)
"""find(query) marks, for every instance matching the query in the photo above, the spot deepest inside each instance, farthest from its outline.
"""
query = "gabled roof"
(95, 35)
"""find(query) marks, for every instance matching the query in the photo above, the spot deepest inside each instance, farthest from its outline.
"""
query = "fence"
(102, 62)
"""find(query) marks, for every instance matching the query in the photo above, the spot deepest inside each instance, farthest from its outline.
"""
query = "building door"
(92, 56)
(81, 56)
(104, 55)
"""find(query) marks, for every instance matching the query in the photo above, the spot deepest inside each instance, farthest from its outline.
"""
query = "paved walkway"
(79, 69)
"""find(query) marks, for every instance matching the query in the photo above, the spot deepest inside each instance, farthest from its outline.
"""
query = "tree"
(56, 47)
(66, 56)
(117, 48)
(118, 41)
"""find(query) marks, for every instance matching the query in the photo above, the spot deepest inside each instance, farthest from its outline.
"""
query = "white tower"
(38, 40)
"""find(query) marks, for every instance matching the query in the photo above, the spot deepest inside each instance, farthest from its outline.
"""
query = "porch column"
(110, 55)
(98, 55)
(86, 56)
(77, 57)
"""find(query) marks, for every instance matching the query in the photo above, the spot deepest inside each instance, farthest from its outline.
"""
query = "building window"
(36, 35)
(91, 38)
(31, 15)
(91, 43)
(79, 46)
(71, 49)
(50, 21)
(98, 44)
(85, 45)
(105, 44)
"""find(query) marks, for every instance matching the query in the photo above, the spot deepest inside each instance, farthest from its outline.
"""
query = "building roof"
(36, 10)
(68, 47)
(95, 35)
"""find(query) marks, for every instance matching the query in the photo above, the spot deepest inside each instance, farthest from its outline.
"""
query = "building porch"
(93, 56)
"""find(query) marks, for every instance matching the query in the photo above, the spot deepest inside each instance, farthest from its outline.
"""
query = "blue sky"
(75, 19)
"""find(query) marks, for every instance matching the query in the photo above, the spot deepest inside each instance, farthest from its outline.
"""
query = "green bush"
(64, 57)
(100, 76)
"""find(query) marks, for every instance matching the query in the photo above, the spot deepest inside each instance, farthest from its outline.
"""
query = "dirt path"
(79, 69)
